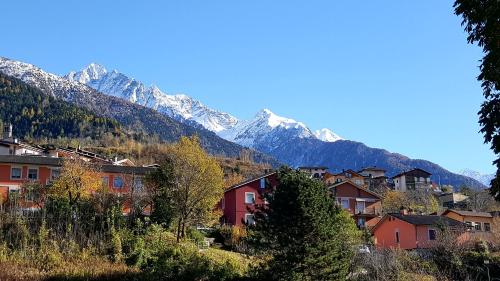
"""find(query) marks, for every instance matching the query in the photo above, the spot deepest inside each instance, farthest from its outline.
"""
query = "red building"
(16, 170)
(410, 231)
(363, 204)
(240, 200)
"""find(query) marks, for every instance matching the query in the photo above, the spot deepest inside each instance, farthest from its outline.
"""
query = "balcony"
(370, 211)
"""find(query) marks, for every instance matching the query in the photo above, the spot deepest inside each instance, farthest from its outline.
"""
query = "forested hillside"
(36, 115)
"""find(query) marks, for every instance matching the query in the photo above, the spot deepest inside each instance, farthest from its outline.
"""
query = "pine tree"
(307, 236)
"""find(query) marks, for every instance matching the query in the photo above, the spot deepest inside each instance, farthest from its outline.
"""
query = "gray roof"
(57, 162)
(427, 220)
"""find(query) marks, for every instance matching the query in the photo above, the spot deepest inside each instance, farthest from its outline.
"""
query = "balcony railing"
(368, 211)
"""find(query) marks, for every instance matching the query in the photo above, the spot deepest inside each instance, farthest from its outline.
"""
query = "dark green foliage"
(481, 19)
(161, 182)
(307, 235)
(36, 115)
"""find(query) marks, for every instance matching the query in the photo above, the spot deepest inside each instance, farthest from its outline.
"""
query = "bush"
(195, 235)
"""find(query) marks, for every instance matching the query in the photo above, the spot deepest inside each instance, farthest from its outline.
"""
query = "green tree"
(481, 19)
(306, 234)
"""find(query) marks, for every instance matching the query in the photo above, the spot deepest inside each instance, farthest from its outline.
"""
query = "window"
(344, 203)
(338, 180)
(487, 226)
(468, 224)
(249, 219)
(32, 174)
(138, 183)
(360, 207)
(54, 174)
(118, 182)
(15, 173)
(105, 181)
(477, 226)
(397, 236)
(30, 195)
(361, 222)
(249, 197)
(262, 183)
(358, 182)
(13, 194)
(432, 234)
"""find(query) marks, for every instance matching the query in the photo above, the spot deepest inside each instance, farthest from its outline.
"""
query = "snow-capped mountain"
(288, 141)
(180, 107)
(482, 178)
(264, 125)
(131, 116)
(184, 108)
(326, 135)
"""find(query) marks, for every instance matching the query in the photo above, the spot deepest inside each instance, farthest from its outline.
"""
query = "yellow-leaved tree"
(78, 180)
(191, 182)
(393, 201)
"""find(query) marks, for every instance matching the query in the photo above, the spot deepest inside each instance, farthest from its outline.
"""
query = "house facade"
(411, 180)
(362, 204)
(479, 224)
(411, 231)
(16, 170)
(316, 172)
(241, 200)
(374, 177)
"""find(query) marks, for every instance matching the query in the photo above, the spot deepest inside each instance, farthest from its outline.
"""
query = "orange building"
(479, 224)
(410, 231)
(16, 170)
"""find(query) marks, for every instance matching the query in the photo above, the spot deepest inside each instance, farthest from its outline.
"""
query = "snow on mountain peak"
(183, 107)
(91, 72)
(274, 120)
(326, 135)
(180, 107)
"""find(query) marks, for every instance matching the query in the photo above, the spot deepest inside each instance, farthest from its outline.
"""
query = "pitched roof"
(243, 183)
(469, 213)
(421, 220)
(355, 185)
(314, 167)
(372, 168)
(427, 220)
(348, 171)
(415, 169)
(57, 162)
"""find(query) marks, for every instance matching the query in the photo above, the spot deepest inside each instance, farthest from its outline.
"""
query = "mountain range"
(131, 116)
(482, 178)
(272, 137)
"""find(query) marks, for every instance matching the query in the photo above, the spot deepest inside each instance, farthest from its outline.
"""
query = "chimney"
(7, 131)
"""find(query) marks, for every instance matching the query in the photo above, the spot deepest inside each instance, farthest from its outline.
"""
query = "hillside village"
(361, 193)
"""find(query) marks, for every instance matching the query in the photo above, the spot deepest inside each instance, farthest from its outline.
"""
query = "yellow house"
(479, 224)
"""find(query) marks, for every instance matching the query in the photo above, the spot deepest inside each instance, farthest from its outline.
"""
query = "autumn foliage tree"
(78, 180)
(191, 181)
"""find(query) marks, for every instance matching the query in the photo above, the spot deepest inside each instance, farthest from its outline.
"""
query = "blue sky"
(393, 74)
